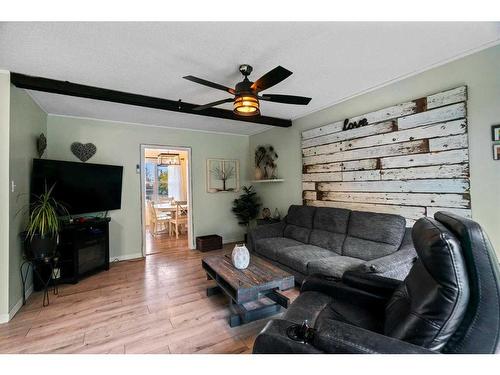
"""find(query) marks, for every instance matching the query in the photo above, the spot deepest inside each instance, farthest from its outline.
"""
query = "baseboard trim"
(126, 257)
(5, 318)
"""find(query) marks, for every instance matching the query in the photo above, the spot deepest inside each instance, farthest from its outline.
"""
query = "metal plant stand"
(37, 266)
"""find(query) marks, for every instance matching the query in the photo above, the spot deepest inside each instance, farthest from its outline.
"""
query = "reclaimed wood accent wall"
(410, 159)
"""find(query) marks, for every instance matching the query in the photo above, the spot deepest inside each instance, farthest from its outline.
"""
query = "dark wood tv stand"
(83, 249)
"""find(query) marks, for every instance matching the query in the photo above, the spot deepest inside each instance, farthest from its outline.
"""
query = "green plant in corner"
(43, 223)
(246, 207)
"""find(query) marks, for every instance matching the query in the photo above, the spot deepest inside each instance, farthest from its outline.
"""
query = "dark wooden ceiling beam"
(97, 93)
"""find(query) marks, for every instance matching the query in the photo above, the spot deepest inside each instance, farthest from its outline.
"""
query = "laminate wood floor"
(157, 305)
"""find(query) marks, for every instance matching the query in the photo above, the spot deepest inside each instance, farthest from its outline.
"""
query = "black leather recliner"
(449, 302)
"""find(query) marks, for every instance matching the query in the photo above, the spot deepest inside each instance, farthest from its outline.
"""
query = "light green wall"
(27, 121)
(119, 144)
(480, 72)
(4, 194)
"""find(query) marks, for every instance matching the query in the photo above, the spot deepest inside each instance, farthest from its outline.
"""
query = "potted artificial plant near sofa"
(246, 207)
(42, 230)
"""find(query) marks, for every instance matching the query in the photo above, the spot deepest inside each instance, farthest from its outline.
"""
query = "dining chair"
(158, 219)
(179, 219)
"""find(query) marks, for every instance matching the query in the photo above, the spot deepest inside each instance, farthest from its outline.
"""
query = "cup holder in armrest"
(301, 332)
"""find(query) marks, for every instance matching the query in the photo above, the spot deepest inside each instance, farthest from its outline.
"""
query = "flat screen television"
(81, 187)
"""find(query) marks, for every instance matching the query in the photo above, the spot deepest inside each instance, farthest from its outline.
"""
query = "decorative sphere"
(240, 257)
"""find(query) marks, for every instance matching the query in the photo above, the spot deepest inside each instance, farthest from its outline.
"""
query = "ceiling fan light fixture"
(246, 105)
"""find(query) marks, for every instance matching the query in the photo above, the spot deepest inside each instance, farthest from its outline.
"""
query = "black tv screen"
(81, 187)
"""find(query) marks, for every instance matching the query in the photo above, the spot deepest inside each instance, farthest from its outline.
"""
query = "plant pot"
(258, 173)
(40, 247)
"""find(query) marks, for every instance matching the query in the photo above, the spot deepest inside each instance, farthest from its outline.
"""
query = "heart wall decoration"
(83, 151)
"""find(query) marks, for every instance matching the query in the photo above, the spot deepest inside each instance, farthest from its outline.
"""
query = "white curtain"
(175, 182)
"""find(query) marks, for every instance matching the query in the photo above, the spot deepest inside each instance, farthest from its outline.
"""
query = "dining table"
(169, 207)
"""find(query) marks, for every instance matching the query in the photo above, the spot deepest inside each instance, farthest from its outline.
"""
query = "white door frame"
(143, 148)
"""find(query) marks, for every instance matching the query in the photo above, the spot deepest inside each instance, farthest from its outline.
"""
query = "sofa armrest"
(382, 286)
(333, 336)
(273, 339)
(265, 231)
(395, 265)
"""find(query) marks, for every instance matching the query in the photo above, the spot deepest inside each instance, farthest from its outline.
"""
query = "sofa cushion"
(297, 233)
(268, 247)
(331, 219)
(301, 216)
(372, 235)
(333, 266)
(327, 240)
(298, 257)
(350, 312)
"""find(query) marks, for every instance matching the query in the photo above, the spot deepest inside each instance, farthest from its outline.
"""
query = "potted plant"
(43, 225)
(246, 207)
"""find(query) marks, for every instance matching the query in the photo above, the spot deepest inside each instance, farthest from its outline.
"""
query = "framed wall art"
(223, 175)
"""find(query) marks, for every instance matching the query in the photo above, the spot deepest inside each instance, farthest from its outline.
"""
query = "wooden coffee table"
(254, 292)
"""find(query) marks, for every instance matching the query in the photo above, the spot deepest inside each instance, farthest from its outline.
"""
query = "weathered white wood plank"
(371, 175)
(323, 130)
(381, 115)
(442, 114)
(434, 158)
(447, 97)
(433, 171)
(406, 211)
(422, 132)
(448, 143)
(360, 165)
(401, 199)
(329, 176)
(383, 127)
(308, 186)
(409, 186)
(356, 165)
(318, 168)
(404, 148)
(310, 195)
(459, 211)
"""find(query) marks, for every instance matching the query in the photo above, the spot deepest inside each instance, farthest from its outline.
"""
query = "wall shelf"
(270, 180)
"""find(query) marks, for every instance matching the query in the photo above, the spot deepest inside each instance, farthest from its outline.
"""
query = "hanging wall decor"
(410, 159)
(223, 175)
(83, 151)
(41, 144)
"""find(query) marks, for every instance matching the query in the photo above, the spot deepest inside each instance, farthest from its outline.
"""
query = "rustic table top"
(245, 285)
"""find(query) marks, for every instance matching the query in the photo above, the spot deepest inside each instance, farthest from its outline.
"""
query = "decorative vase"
(270, 172)
(266, 213)
(240, 257)
(277, 215)
(258, 173)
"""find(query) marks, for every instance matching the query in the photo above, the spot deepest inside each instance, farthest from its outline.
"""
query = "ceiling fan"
(247, 93)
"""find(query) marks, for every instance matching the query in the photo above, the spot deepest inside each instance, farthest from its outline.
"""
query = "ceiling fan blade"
(271, 78)
(288, 99)
(209, 84)
(213, 104)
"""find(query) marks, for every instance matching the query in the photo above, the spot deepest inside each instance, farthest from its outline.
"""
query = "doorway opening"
(166, 199)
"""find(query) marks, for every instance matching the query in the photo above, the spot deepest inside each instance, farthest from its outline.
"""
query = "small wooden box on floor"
(210, 242)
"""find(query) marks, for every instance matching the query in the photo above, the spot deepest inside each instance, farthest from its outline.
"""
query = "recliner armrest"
(333, 336)
(265, 231)
(337, 289)
(375, 284)
(273, 339)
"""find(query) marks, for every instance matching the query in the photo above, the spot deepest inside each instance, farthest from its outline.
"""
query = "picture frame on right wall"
(496, 152)
(495, 133)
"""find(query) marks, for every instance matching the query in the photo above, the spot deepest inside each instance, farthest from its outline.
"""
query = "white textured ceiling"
(330, 61)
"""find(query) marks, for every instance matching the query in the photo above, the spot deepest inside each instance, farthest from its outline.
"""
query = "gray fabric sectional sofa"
(330, 241)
